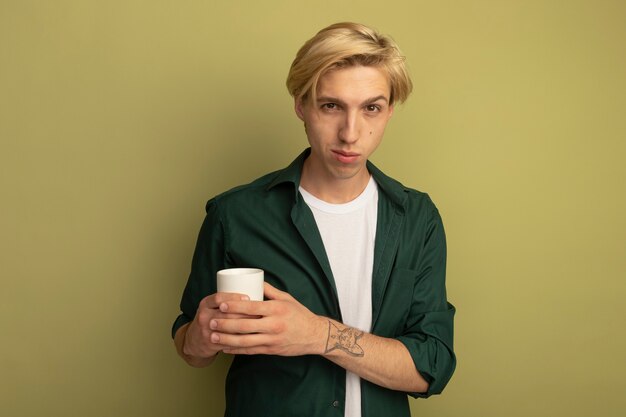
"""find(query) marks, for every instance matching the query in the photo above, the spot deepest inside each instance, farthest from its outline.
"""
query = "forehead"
(354, 83)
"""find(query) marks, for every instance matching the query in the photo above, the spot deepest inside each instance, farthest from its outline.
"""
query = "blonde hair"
(344, 45)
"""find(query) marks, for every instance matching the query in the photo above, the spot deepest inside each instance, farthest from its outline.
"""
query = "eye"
(329, 106)
(372, 108)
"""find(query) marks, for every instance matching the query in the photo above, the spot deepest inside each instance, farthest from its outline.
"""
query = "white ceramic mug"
(248, 281)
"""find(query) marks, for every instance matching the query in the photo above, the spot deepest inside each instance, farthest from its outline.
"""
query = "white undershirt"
(348, 232)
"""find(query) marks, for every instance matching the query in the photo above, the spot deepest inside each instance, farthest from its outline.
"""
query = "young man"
(355, 313)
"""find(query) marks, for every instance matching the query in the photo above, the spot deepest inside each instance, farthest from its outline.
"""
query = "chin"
(346, 173)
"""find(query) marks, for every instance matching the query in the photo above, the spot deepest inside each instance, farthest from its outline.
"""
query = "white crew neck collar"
(360, 201)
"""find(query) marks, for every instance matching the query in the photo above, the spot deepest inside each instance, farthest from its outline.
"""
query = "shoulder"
(272, 193)
(412, 201)
(419, 200)
(257, 186)
(244, 196)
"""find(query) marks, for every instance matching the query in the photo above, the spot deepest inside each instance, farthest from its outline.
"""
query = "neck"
(333, 190)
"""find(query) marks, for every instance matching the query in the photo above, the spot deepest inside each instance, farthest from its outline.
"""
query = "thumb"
(274, 293)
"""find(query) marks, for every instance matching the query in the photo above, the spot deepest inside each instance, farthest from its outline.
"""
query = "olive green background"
(120, 118)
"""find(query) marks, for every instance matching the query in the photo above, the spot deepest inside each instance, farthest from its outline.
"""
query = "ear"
(298, 107)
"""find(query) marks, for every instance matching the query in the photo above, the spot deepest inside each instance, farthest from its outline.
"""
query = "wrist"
(321, 335)
(341, 339)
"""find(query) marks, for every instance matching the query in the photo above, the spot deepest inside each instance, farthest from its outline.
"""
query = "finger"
(214, 300)
(198, 342)
(249, 308)
(230, 341)
(245, 326)
(220, 315)
(274, 293)
(257, 350)
(205, 315)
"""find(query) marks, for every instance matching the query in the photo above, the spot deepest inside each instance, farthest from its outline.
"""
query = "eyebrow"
(337, 100)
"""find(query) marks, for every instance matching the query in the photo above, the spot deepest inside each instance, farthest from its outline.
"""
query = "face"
(346, 125)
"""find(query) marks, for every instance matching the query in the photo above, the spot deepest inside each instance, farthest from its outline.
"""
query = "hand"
(285, 327)
(197, 343)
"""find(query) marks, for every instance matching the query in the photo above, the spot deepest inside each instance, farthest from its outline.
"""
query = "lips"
(346, 157)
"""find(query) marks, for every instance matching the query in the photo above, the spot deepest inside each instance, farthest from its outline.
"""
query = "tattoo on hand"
(344, 339)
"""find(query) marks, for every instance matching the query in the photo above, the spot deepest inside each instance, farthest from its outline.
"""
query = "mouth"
(346, 157)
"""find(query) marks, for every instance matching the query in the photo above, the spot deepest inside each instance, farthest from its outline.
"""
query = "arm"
(288, 328)
(190, 330)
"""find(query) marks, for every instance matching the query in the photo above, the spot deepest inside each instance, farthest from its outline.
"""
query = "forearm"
(179, 342)
(287, 328)
(382, 361)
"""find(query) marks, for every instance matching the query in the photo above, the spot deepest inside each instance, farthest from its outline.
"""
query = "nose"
(349, 131)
